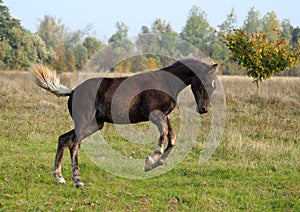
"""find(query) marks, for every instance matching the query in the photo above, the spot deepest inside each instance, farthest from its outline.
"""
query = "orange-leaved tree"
(261, 57)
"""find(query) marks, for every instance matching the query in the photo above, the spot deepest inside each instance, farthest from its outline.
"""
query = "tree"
(92, 45)
(15, 57)
(160, 44)
(66, 45)
(6, 21)
(253, 22)
(81, 55)
(145, 29)
(286, 30)
(41, 51)
(162, 27)
(52, 31)
(295, 36)
(73, 44)
(197, 30)
(4, 49)
(120, 38)
(73, 38)
(260, 56)
(121, 46)
(229, 24)
(19, 48)
(166, 42)
(220, 53)
(271, 25)
(139, 63)
(121, 32)
(149, 40)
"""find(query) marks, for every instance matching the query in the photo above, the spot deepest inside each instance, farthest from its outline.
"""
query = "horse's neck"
(183, 73)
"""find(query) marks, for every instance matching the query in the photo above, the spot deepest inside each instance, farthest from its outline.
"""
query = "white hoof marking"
(60, 180)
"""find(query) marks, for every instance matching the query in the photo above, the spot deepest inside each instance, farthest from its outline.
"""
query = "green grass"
(256, 167)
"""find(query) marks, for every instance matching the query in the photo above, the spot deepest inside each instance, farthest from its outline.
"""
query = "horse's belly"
(120, 116)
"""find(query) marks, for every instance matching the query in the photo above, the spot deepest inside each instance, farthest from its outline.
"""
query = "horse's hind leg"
(63, 141)
(74, 148)
(74, 152)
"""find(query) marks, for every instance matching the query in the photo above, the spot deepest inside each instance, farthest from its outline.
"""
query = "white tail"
(47, 79)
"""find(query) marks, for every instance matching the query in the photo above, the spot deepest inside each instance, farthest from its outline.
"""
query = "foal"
(147, 96)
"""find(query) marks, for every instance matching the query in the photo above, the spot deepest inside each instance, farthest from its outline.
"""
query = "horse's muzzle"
(203, 110)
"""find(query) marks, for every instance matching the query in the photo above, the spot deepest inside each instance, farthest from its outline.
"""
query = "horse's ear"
(214, 69)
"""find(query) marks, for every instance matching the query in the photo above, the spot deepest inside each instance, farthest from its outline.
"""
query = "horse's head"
(203, 87)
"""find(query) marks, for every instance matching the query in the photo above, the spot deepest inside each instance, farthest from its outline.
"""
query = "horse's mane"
(183, 62)
(172, 66)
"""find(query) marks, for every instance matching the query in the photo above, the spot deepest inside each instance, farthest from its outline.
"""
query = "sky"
(103, 15)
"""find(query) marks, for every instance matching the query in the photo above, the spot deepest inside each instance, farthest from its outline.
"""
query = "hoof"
(148, 164)
(151, 164)
(59, 179)
(79, 184)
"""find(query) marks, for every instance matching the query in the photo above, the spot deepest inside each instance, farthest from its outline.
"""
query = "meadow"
(256, 167)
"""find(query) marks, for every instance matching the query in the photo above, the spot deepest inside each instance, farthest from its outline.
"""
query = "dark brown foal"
(148, 96)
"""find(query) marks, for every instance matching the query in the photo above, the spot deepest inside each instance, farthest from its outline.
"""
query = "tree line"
(56, 45)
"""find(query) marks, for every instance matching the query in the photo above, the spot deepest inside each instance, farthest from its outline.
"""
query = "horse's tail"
(47, 79)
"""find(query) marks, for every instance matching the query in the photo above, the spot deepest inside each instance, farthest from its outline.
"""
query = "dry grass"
(285, 88)
(262, 127)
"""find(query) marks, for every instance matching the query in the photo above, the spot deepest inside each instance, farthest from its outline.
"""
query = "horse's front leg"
(63, 142)
(160, 120)
(74, 152)
(171, 143)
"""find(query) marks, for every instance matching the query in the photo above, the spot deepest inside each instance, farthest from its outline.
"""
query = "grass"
(256, 167)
